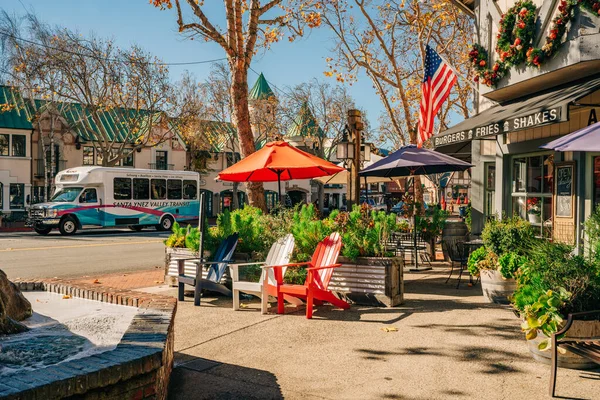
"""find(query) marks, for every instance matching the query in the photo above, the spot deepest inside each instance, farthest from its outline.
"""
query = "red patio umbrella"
(278, 161)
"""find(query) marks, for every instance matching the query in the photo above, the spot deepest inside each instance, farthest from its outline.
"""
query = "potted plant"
(534, 210)
(552, 284)
(505, 245)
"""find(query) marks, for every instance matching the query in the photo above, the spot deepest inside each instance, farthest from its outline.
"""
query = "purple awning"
(586, 139)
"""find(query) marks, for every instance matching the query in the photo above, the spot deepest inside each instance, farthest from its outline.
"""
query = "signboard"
(563, 218)
(540, 118)
(564, 190)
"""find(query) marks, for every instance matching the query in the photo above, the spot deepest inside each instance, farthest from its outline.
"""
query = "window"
(174, 189)
(17, 195)
(596, 182)
(190, 190)
(66, 194)
(532, 189)
(141, 189)
(161, 160)
(1, 196)
(122, 188)
(99, 158)
(19, 143)
(230, 159)
(128, 160)
(88, 155)
(88, 196)
(4, 141)
(158, 189)
(489, 206)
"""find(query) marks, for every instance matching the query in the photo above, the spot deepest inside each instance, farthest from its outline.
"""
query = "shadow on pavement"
(199, 378)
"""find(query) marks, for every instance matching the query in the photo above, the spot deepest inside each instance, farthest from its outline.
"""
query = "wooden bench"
(586, 348)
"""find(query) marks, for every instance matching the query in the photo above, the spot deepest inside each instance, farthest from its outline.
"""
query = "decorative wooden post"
(356, 126)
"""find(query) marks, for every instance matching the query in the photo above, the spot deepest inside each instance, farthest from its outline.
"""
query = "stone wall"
(138, 368)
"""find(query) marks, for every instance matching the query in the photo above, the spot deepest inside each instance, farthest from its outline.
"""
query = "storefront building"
(527, 108)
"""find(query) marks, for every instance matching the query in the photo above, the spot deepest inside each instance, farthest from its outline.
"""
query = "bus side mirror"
(28, 199)
(100, 201)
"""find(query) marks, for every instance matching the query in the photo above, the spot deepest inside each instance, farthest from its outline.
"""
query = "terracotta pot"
(495, 288)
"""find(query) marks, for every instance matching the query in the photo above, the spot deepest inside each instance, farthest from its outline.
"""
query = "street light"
(345, 148)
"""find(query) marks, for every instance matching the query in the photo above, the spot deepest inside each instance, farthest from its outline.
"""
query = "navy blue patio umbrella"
(409, 161)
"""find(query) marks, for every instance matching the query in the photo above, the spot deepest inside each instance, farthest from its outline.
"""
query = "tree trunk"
(320, 196)
(241, 119)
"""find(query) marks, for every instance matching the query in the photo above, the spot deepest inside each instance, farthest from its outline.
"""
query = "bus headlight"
(51, 213)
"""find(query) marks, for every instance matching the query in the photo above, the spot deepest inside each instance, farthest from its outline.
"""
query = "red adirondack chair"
(320, 268)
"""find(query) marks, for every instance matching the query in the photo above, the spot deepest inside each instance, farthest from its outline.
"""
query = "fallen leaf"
(67, 296)
(392, 329)
(96, 281)
(157, 281)
(469, 284)
(242, 305)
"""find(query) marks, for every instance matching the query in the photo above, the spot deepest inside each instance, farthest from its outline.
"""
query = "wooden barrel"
(579, 329)
(495, 288)
(453, 230)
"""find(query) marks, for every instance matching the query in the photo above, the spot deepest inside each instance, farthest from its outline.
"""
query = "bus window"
(88, 196)
(158, 189)
(174, 189)
(141, 189)
(122, 189)
(190, 190)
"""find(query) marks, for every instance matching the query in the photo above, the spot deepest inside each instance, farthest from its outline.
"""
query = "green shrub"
(177, 239)
(308, 231)
(248, 223)
(508, 235)
(474, 258)
(509, 263)
(553, 283)
(432, 225)
(592, 235)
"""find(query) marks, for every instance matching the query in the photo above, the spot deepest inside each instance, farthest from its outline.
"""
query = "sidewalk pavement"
(129, 280)
(444, 343)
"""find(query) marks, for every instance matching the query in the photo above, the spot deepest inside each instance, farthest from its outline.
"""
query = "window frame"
(7, 135)
(10, 203)
(12, 145)
(135, 197)
(169, 181)
(84, 155)
(545, 197)
(183, 192)
(152, 180)
(115, 188)
(489, 190)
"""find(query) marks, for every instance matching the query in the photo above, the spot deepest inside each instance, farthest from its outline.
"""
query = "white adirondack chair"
(279, 254)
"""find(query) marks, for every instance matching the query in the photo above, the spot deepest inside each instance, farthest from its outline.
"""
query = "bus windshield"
(66, 195)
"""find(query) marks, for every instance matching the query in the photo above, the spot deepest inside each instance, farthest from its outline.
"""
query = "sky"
(137, 22)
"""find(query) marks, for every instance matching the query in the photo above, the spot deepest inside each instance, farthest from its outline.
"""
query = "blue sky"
(137, 22)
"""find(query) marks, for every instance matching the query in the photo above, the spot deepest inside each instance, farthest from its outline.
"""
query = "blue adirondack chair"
(216, 269)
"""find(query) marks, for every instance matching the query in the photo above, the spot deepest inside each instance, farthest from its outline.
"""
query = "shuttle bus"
(102, 197)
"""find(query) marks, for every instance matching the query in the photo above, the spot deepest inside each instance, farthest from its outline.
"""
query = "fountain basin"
(71, 352)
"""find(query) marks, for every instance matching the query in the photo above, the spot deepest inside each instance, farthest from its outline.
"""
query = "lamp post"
(351, 150)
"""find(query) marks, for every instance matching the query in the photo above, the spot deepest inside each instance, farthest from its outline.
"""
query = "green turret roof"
(305, 124)
(261, 89)
(13, 113)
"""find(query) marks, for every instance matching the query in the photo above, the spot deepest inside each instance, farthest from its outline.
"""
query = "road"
(92, 252)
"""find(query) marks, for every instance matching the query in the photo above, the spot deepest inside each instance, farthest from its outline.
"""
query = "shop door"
(564, 203)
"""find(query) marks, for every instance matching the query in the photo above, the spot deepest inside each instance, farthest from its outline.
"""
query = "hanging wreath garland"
(515, 36)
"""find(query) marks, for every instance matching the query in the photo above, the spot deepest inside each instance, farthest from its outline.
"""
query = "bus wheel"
(166, 223)
(67, 226)
(42, 231)
(136, 228)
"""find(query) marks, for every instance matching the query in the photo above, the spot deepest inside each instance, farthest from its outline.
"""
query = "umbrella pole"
(366, 191)
(279, 185)
(416, 252)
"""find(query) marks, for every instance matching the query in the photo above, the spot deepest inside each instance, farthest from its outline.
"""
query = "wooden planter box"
(495, 288)
(580, 329)
(370, 281)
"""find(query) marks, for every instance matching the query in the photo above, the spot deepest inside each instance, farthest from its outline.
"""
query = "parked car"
(374, 204)
(398, 208)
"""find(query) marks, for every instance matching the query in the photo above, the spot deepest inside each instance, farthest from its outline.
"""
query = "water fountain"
(84, 340)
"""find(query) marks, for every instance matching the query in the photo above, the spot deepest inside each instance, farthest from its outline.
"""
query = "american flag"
(437, 83)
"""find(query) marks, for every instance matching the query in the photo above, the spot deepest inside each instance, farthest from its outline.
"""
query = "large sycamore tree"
(249, 25)
(386, 41)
